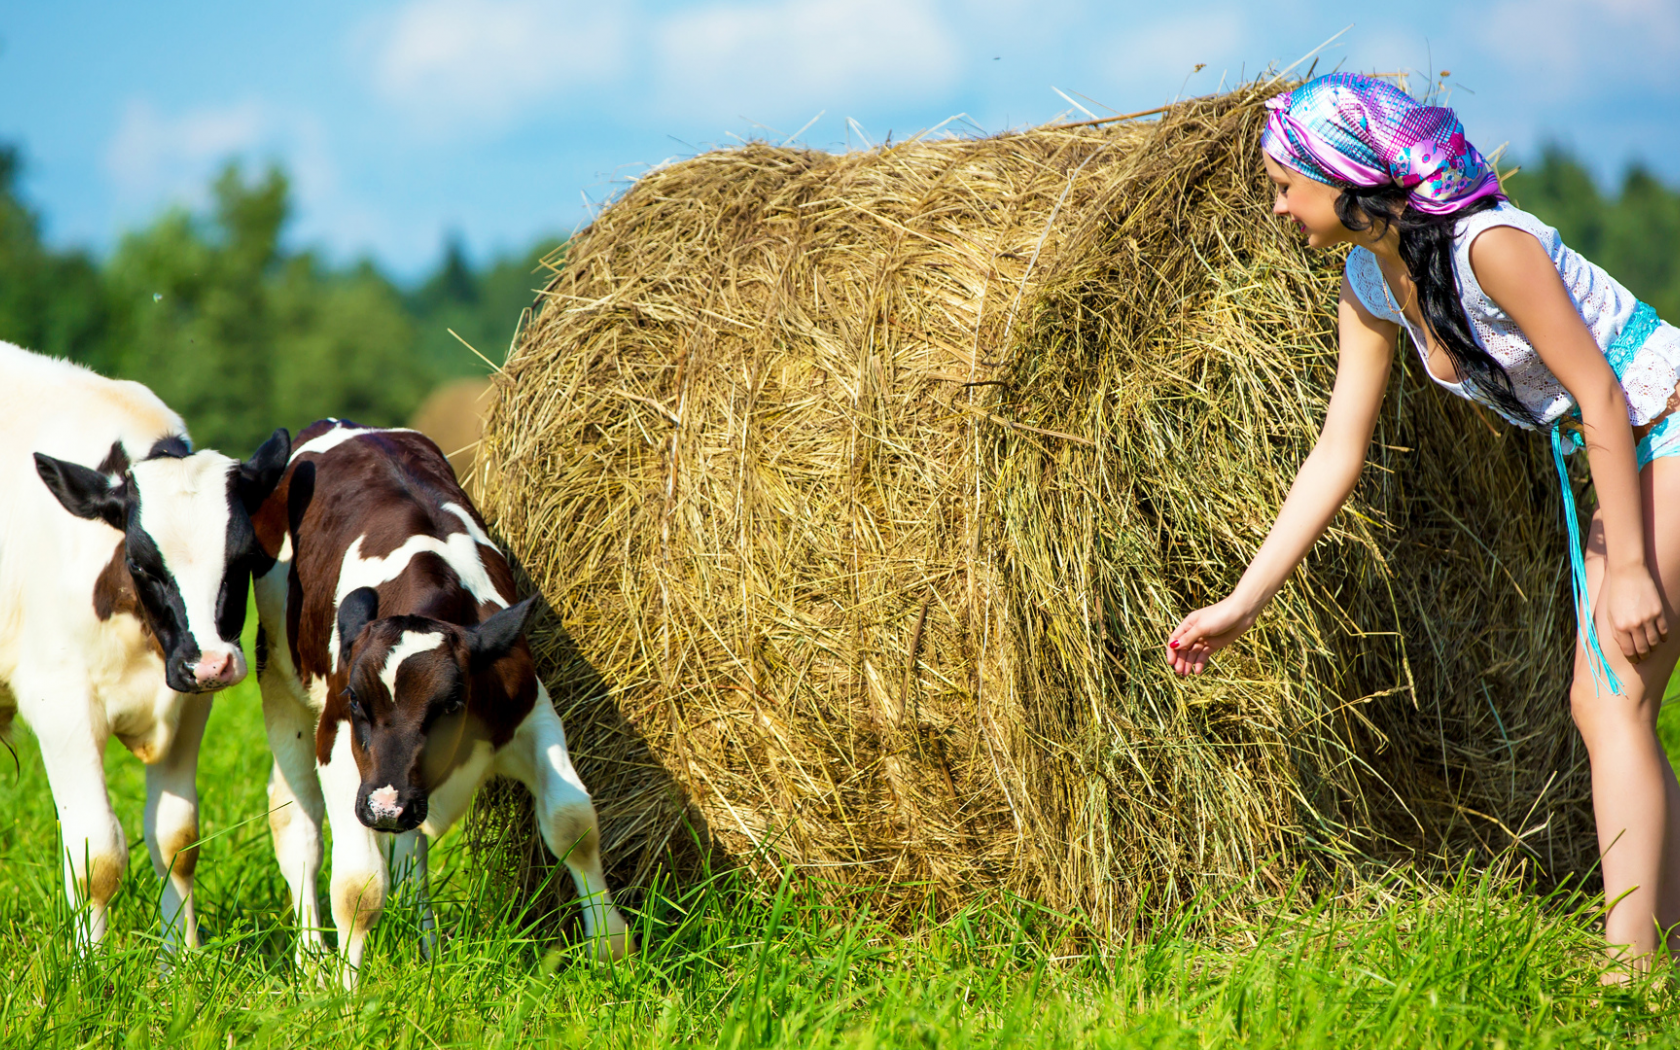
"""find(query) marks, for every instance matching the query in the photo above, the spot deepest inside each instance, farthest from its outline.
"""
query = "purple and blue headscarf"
(1345, 129)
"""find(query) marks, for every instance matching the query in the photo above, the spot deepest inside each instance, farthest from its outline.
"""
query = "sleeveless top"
(1648, 379)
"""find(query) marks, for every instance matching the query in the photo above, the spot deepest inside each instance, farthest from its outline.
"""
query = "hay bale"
(453, 417)
(866, 487)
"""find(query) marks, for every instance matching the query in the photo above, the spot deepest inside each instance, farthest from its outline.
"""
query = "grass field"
(1482, 964)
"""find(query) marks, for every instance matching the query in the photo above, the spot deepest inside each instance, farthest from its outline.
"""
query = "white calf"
(125, 559)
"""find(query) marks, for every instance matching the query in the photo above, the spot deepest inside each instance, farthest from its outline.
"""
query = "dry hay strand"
(866, 488)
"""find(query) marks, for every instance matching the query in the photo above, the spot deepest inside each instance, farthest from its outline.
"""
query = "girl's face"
(1311, 203)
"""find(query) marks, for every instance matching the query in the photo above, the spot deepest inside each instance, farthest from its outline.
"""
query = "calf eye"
(355, 703)
(451, 704)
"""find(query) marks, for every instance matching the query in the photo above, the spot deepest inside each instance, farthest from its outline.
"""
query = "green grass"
(1668, 721)
(1482, 963)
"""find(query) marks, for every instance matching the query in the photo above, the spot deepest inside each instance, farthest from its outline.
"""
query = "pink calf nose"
(383, 803)
(217, 670)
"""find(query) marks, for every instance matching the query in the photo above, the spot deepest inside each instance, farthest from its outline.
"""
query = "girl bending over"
(1502, 312)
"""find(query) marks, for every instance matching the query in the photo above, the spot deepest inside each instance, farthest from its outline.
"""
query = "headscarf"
(1345, 128)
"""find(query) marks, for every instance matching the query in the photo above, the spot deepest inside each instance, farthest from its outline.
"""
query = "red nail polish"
(1173, 644)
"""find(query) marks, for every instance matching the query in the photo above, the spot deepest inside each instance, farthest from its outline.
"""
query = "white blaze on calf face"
(184, 509)
(412, 643)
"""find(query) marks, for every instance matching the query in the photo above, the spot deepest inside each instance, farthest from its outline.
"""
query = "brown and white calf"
(125, 559)
(396, 679)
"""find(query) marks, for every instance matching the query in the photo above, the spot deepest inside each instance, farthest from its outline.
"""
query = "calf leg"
(95, 850)
(359, 879)
(171, 823)
(537, 757)
(295, 807)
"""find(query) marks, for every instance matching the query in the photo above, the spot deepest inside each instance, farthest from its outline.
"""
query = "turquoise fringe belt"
(1620, 354)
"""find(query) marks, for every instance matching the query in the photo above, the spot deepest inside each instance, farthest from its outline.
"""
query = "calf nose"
(218, 670)
(383, 804)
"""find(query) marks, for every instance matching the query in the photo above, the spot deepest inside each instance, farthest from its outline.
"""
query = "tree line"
(240, 333)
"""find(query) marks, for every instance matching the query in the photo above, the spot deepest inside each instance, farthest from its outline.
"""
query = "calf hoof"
(616, 943)
(317, 964)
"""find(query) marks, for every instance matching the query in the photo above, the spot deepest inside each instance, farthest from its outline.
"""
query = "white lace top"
(1647, 381)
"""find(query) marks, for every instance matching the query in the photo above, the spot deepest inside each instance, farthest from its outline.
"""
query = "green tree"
(240, 336)
(344, 347)
(1641, 235)
(483, 308)
(50, 301)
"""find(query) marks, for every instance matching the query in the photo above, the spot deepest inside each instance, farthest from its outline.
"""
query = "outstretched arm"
(1322, 485)
(1520, 277)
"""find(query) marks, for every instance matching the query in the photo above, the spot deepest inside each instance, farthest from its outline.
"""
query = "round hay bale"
(866, 487)
(453, 417)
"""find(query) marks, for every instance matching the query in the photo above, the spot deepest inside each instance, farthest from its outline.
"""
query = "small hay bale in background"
(866, 488)
(453, 417)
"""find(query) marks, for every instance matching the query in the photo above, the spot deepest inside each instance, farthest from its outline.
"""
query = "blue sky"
(503, 120)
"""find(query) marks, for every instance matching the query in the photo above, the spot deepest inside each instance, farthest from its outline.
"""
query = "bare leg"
(1668, 907)
(1631, 778)
(171, 823)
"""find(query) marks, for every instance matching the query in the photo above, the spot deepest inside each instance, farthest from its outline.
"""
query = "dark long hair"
(1426, 247)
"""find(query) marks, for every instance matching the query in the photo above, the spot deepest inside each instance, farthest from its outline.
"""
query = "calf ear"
(83, 491)
(259, 474)
(356, 611)
(490, 640)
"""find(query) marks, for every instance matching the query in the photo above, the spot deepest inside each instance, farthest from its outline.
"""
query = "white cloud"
(449, 62)
(791, 57)
(157, 157)
(148, 144)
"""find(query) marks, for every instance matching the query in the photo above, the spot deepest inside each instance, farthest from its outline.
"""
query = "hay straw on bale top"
(865, 489)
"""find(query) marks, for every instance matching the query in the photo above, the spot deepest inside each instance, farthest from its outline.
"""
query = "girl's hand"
(1323, 484)
(1205, 632)
(1634, 608)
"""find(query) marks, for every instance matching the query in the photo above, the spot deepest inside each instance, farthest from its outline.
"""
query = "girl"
(1502, 313)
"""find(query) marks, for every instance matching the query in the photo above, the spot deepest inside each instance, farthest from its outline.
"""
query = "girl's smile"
(1309, 203)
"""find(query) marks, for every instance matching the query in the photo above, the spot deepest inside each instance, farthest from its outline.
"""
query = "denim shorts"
(1662, 441)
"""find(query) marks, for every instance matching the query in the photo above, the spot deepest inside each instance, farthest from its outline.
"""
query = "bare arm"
(1517, 274)
(1321, 486)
